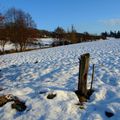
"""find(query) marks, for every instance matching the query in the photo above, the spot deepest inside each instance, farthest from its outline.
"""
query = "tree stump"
(83, 72)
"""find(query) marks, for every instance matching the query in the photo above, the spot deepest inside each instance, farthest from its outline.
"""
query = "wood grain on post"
(92, 76)
(83, 72)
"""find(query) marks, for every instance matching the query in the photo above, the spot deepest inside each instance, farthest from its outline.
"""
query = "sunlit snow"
(33, 75)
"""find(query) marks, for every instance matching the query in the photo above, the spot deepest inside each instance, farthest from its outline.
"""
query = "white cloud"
(111, 22)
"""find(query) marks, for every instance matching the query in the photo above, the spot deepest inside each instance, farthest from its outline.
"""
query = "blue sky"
(93, 16)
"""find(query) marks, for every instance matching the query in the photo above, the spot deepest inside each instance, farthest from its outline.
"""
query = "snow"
(44, 42)
(33, 75)
(8, 46)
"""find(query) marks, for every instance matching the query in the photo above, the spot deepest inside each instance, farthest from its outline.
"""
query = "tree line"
(71, 36)
(19, 28)
(115, 34)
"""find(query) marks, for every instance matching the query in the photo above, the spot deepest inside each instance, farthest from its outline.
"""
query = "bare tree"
(60, 34)
(3, 32)
(21, 26)
(73, 35)
(10, 21)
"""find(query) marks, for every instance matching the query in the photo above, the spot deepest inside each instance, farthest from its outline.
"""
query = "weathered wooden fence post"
(83, 72)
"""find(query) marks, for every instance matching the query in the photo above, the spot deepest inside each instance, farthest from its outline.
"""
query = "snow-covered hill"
(33, 75)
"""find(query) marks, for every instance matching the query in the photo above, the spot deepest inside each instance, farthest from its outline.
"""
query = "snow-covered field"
(33, 75)
(40, 43)
(45, 41)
